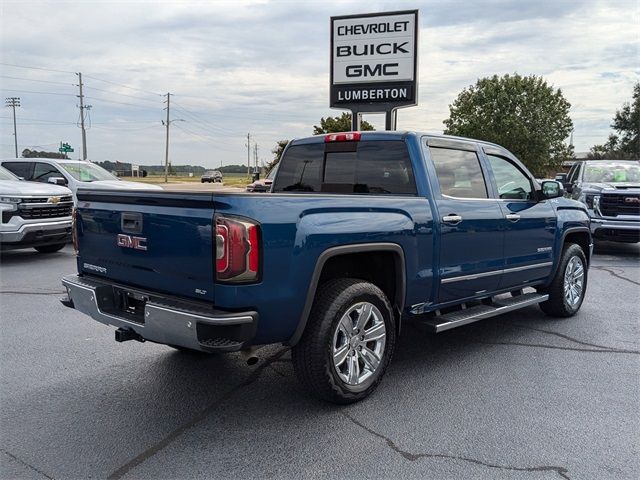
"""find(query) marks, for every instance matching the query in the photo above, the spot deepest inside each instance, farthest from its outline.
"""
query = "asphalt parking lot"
(519, 396)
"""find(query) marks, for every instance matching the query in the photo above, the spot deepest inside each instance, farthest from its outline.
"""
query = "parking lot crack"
(615, 274)
(561, 471)
(22, 462)
(572, 339)
(558, 347)
(174, 434)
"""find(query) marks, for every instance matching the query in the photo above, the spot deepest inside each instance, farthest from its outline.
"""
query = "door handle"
(452, 218)
(512, 217)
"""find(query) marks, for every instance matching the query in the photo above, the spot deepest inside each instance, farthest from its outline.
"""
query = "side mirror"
(57, 181)
(552, 189)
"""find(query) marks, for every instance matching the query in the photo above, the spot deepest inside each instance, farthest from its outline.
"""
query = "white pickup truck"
(34, 214)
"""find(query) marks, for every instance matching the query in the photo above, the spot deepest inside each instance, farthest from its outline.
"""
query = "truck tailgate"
(158, 241)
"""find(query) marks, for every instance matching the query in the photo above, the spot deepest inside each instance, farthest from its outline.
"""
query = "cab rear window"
(379, 167)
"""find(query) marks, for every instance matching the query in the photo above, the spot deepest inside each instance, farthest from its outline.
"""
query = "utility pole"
(14, 102)
(166, 150)
(255, 157)
(83, 107)
(248, 154)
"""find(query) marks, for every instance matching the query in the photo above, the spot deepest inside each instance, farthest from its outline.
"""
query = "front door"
(529, 224)
(471, 236)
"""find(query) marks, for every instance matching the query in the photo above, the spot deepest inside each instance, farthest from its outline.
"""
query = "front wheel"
(569, 285)
(50, 248)
(347, 343)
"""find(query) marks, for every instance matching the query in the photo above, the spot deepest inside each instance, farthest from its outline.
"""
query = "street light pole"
(14, 102)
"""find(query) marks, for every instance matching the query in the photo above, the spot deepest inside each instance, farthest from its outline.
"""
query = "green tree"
(626, 144)
(339, 124)
(523, 114)
(26, 153)
(277, 153)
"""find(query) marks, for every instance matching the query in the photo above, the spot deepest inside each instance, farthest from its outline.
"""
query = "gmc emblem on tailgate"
(127, 241)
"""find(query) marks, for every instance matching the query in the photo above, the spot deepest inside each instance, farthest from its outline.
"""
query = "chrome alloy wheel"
(574, 281)
(358, 343)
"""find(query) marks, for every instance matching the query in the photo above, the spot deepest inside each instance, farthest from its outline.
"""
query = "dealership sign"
(374, 61)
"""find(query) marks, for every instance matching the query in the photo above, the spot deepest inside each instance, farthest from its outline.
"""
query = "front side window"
(459, 173)
(42, 172)
(512, 183)
(372, 167)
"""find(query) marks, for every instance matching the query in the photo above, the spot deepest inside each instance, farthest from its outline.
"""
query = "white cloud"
(262, 67)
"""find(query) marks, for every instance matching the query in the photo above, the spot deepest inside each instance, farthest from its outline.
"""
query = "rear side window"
(459, 173)
(20, 169)
(374, 167)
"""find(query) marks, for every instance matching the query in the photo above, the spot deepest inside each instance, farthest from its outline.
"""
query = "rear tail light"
(237, 250)
(74, 229)
(342, 137)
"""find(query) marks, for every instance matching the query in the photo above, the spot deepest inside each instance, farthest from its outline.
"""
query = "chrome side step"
(451, 320)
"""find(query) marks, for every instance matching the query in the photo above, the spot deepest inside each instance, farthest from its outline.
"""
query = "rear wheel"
(50, 248)
(569, 285)
(348, 342)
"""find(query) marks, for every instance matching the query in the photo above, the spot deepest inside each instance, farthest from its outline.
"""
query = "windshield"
(272, 173)
(87, 172)
(7, 175)
(612, 173)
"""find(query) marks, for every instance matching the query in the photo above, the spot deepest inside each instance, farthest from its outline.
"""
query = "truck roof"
(392, 135)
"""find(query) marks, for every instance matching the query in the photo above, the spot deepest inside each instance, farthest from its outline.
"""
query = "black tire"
(313, 355)
(201, 180)
(558, 305)
(50, 248)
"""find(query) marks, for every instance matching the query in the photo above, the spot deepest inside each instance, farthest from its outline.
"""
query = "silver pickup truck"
(34, 214)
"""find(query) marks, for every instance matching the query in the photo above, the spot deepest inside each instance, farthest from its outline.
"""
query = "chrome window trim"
(494, 272)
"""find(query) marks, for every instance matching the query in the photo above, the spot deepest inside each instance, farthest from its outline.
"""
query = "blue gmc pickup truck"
(360, 233)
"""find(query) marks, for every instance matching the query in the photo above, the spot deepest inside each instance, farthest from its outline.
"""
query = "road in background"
(199, 187)
(518, 396)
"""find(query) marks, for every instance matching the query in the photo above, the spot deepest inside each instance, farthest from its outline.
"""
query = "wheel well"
(383, 269)
(582, 239)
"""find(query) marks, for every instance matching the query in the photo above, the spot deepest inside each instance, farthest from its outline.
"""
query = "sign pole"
(391, 119)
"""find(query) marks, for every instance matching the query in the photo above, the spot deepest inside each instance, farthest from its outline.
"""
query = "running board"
(499, 306)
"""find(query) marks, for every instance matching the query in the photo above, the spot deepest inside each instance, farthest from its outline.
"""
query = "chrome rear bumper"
(160, 319)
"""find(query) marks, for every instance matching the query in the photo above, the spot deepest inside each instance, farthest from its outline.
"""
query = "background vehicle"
(73, 174)
(33, 214)
(211, 176)
(362, 231)
(611, 191)
(264, 184)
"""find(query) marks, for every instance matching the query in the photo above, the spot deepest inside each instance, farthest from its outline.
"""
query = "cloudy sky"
(262, 67)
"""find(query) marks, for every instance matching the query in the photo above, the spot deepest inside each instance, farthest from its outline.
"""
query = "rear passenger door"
(471, 235)
(529, 224)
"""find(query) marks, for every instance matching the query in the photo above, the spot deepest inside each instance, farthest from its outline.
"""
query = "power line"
(118, 103)
(202, 120)
(122, 94)
(34, 80)
(39, 93)
(123, 85)
(35, 68)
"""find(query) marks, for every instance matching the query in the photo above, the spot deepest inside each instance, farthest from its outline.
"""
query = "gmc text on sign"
(373, 60)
